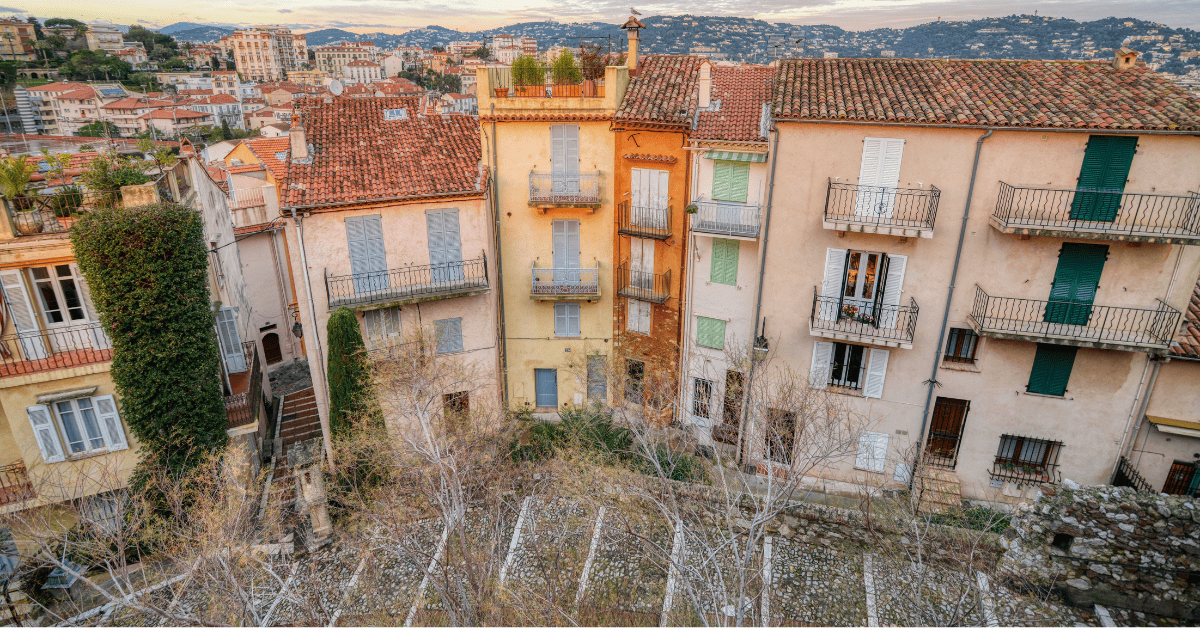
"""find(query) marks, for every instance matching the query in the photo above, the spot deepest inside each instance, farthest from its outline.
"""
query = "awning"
(731, 156)
(1175, 426)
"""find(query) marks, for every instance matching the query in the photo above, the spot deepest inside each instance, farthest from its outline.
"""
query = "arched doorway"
(271, 349)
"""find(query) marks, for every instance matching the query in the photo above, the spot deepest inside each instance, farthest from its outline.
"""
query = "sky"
(470, 15)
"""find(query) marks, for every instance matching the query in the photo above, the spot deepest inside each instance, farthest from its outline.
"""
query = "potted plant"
(15, 173)
(692, 208)
(527, 77)
(591, 65)
(565, 75)
(501, 92)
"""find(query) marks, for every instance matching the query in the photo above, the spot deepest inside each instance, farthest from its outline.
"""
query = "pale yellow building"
(256, 54)
(17, 38)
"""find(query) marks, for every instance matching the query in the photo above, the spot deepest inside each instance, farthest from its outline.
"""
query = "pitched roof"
(664, 90)
(359, 156)
(1018, 93)
(742, 91)
(217, 99)
(195, 92)
(270, 150)
(57, 87)
(174, 114)
(128, 103)
(362, 63)
(82, 93)
(1189, 334)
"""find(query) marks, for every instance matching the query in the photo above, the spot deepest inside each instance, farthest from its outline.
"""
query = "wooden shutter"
(872, 451)
(110, 422)
(876, 372)
(230, 340)
(893, 286)
(639, 187)
(1051, 370)
(448, 332)
(721, 180)
(557, 154)
(724, 261)
(368, 257)
(597, 378)
(566, 243)
(881, 159)
(822, 360)
(1106, 164)
(24, 317)
(45, 434)
(835, 272)
(1075, 282)
(710, 332)
(638, 316)
(660, 191)
(566, 319)
(570, 149)
(445, 244)
(731, 181)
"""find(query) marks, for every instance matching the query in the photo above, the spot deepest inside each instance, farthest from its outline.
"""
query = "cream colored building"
(362, 71)
(17, 38)
(333, 59)
(256, 54)
(104, 36)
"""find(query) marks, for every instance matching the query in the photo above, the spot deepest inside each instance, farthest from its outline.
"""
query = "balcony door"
(648, 192)
(1102, 178)
(368, 260)
(878, 177)
(445, 245)
(1075, 283)
(566, 252)
(862, 286)
(641, 263)
(564, 159)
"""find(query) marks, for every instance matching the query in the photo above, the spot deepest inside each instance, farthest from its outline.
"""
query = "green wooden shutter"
(1051, 369)
(1106, 164)
(710, 332)
(1075, 283)
(721, 180)
(739, 181)
(724, 261)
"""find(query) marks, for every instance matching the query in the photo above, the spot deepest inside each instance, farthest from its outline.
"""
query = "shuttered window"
(1106, 164)
(381, 327)
(368, 260)
(872, 451)
(597, 378)
(88, 424)
(449, 335)
(731, 181)
(564, 149)
(566, 319)
(445, 245)
(1076, 280)
(710, 332)
(45, 434)
(1051, 369)
(230, 340)
(724, 261)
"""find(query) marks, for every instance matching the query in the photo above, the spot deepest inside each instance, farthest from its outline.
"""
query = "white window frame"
(872, 451)
(111, 442)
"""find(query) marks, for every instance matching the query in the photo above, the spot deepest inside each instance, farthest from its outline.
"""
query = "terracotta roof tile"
(1189, 334)
(666, 159)
(358, 156)
(1020, 93)
(269, 150)
(82, 93)
(174, 114)
(742, 91)
(57, 87)
(664, 90)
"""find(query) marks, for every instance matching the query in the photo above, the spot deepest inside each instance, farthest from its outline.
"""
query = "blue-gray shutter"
(445, 244)
(368, 257)
(448, 334)
(545, 383)
(230, 340)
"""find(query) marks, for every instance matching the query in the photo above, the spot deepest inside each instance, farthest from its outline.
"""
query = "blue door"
(546, 384)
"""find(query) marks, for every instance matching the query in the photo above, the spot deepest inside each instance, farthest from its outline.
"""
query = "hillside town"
(512, 330)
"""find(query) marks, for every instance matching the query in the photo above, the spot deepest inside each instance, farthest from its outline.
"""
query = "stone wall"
(1110, 546)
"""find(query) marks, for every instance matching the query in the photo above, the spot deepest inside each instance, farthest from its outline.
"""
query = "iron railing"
(546, 82)
(14, 484)
(1128, 475)
(1076, 322)
(878, 205)
(726, 218)
(55, 212)
(242, 408)
(247, 197)
(644, 222)
(566, 281)
(44, 350)
(545, 187)
(872, 321)
(847, 377)
(1026, 460)
(1098, 211)
(641, 285)
(409, 282)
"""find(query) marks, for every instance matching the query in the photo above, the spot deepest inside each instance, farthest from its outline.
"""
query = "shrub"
(108, 173)
(564, 71)
(525, 71)
(14, 179)
(66, 200)
(147, 268)
(349, 374)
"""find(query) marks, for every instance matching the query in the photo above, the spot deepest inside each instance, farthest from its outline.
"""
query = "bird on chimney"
(634, 11)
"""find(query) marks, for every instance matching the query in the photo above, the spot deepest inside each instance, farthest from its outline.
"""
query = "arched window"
(271, 350)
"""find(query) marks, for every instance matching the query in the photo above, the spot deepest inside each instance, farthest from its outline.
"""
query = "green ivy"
(147, 268)
(349, 375)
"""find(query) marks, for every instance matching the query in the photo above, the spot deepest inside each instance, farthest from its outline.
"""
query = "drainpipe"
(503, 344)
(1134, 423)
(937, 354)
(316, 334)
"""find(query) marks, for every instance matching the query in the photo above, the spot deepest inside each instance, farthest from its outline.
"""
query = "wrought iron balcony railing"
(644, 222)
(726, 218)
(853, 207)
(569, 189)
(565, 283)
(1099, 214)
(642, 285)
(1078, 324)
(871, 323)
(15, 486)
(244, 403)
(410, 283)
(45, 350)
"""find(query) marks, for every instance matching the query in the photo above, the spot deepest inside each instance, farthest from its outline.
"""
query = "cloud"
(12, 10)
(285, 10)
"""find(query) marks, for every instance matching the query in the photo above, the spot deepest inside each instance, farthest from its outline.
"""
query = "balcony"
(244, 402)
(247, 198)
(545, 82)
(547, 191)
(54, 213)
(565, 284)
(1098, 215)
(1075, 324)
(411, 284)
(726, 218)
(29, 352)
(15, 486)
(874, 324)
(644, 222)
(641, 285)
(907, 213)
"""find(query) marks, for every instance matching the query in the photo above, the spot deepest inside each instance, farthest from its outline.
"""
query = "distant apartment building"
(463, 48)
(292, 47)
(17, 38)
(227, 82)
(256, 53)
(362, 71)
(80, 107)
(333, 59)
(104, 36)
(506, 48)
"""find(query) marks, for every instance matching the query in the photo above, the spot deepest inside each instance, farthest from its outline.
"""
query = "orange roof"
(272, 151)
(664, 90)
(174, 114)
(240, 168)
(742, 92)
(128, 103)
(82, 93)
(195, 92)
(63, 86)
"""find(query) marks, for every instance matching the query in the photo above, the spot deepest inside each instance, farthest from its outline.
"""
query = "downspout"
(503, 344)
(1137, 415)
(316, 334)
(937, 353)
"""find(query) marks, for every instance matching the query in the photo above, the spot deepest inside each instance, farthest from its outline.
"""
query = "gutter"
(1035, 129)
(502, 329)
(386, 199)
(316, 334)
(1137, 413)
(937, 354)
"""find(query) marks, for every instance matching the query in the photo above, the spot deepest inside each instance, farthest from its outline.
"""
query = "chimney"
(633, 29)
(705, 85)
(1125, 57)
(298, 143)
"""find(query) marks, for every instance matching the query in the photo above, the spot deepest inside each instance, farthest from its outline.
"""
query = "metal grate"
(1026, 460)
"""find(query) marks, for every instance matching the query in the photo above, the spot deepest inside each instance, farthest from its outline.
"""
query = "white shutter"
(892, 288)
(822, 360)
(110, 422)
(638, 187)
(872, 154)
(880, 168)
(43, 431)
(662, 191)
(571, 149)
(557, 155)
(876, 371)
(872, 451)
(835, 270)
(24, 317)
(637, 316)
(230, 340)
(889, 167)
(100, 338)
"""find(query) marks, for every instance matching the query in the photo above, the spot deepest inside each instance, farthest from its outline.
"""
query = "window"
(724, 261)
(448, 334)
(731, 181)
(1051, 370)
(230, 340)
(566, 319)
(545, 382)
(456, 406)
(731, 409)
(710, 332)
(368, 260)
(702, 390)
(961, 345)
(781, 435)
(872, 451)
(381, 328)
(58, 293)
(1076, 280)
(858, 283)
(1021, 458)
(846, 369)
(87, 424)
(862, 269)
(879, 171)
(849, 367)
(597, 378)
(635, 377)
(637, 318)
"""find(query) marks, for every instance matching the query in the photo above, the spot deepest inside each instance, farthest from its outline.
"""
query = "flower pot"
(501, 92)
(27, 223)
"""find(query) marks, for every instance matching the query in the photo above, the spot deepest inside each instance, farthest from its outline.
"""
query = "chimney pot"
(297, 141)
(705, 96)
(1125, 57)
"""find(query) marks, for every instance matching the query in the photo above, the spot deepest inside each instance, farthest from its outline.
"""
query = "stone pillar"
(306, 460)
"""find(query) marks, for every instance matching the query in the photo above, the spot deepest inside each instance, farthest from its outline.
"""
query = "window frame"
(863, 359)
(702, 405)
(1009, 466)
(958, 339)
(706, 320)
(76, 420)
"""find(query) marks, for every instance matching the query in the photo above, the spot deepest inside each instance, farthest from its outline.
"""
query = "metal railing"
(642, 285)
(1026, 460)
(566, 281)
(45, 350)
(877, 205)
(545, 187)
(1099, 211)
(644, 222)
(897, 323)
(726, 218)
(247, 197)
(54, 212)
(409, 282)
(1128, 475)
(545, 82)
(1070, 321)
(848, 377)
(15, 486)
(242, 408)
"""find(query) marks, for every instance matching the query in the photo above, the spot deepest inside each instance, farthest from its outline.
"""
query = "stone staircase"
(938, 489)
